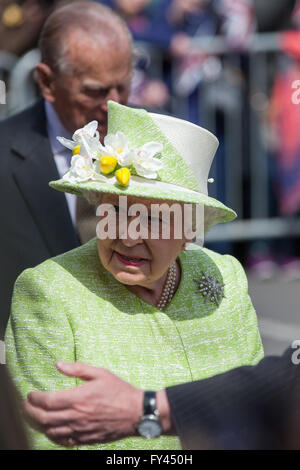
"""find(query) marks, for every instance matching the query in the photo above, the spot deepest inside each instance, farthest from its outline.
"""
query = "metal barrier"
(22, 87)
(7, 62)
(242, 151)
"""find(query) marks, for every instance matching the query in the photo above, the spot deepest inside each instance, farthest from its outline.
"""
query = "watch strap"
(150, 403)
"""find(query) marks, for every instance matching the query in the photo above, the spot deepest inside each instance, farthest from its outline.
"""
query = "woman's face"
(138, 261)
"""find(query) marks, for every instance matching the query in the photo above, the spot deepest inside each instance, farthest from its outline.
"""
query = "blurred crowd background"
(232, 66)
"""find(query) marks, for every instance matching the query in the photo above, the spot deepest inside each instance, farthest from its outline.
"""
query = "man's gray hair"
(92, 19)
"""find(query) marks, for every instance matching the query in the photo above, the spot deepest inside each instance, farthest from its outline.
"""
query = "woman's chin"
(130, 279)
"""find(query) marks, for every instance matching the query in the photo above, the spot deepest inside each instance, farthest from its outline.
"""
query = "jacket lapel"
(34, 167)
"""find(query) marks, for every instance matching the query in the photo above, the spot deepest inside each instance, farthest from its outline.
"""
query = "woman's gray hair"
(93, 197)
(92, 19)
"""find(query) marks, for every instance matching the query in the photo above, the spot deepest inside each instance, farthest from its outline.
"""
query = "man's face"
(100, 72)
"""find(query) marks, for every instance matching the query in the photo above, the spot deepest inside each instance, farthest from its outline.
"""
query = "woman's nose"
(129, 234)
(130, 242)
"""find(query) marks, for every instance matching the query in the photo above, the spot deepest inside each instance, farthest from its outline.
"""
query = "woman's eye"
(154, 220)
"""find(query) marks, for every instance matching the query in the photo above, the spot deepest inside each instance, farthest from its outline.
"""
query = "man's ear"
(45, 80)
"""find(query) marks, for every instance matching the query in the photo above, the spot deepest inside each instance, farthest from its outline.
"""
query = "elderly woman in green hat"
(155, 310)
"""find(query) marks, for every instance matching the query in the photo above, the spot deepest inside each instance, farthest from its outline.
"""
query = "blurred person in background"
(86, 60)
(284, 122)
(12, 435)
(147, 90)
(171, 26)
(202, 82)
(21, 22)
(275, 16)
(266, 258)
(182, 22)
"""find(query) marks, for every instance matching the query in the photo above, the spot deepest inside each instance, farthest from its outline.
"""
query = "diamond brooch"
(211, 288)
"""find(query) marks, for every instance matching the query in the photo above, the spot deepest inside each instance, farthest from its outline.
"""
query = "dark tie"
(86, 220)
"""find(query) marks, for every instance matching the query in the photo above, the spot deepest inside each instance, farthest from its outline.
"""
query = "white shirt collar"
(55, 128)
(61, 154)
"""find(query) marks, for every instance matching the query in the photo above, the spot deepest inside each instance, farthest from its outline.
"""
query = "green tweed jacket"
(71, 308)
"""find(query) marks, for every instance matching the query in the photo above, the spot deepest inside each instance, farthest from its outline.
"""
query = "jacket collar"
(33, 171)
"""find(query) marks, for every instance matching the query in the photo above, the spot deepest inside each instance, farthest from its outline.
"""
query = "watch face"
(150, 427)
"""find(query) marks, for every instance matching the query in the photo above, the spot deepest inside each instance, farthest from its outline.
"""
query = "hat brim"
(215, 211)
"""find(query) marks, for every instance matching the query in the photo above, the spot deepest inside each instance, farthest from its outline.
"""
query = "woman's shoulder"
(200, 253)
(71, 263)
(213, 262)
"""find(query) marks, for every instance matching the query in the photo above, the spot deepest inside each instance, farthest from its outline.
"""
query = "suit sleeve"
(245, 408)
(37, 335)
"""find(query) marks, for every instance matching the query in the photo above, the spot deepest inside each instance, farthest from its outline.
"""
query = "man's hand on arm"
(104, 409)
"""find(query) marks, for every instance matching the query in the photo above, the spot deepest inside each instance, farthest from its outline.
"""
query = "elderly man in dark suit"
(86, 60)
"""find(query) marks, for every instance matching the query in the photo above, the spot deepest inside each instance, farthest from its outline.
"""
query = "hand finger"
(94, 438)
(59, 400)
(59, 432)
(89, 438)
(66, 436)
(41, 419)
(65, 442)
(78, 369)
(32, 422)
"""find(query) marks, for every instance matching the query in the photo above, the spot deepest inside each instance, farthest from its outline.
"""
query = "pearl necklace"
(168, 290)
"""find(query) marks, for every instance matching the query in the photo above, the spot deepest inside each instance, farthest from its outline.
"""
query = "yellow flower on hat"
(108, 164)
(123, 176)
(76, 150)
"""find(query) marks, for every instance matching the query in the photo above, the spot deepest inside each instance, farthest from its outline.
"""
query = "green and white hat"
(146, 155)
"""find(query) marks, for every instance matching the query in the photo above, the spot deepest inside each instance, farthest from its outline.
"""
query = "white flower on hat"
(116, 145)
(85, 141)
(143, 160)
(91, 160)
(82, 169)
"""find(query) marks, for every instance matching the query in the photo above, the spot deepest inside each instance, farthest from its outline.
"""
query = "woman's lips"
(130, 261)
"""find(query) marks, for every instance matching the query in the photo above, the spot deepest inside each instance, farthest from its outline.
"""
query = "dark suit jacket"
(35, 220)
(246, 408)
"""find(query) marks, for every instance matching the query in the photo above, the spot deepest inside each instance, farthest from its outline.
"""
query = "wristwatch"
(150, 425)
